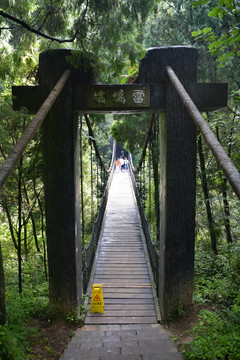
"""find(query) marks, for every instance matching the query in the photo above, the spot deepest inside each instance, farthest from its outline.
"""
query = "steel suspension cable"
(220, 155)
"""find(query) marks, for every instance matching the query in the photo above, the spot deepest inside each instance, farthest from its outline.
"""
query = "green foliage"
(91, 201)
(12, 341)
(216, 336)
(20, 309)
(78, 316)
(178, 312)
(217, 277)
(216, 285)
(131, 131)
(223, 44)
(105, 31)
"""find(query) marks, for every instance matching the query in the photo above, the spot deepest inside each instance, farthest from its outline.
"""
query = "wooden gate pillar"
(61, 179)
(177, 176)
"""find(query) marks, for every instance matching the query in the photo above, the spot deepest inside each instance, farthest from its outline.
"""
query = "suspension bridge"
(143, 280)
(121, 265)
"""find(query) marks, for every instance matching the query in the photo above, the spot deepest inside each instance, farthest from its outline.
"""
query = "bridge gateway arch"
(177, 162)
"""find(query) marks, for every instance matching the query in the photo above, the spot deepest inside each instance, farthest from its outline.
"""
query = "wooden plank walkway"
(121, 266)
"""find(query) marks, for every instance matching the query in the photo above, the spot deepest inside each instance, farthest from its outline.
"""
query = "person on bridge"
(126, 163)
(122, 163)
(117, 164)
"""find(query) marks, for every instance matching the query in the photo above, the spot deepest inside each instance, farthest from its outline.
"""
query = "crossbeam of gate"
(119, 99)
(152, 93)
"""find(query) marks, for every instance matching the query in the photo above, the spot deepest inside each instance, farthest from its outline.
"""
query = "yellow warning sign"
(97, 302)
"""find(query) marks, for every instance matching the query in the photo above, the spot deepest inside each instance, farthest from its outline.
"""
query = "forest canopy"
(104, 30)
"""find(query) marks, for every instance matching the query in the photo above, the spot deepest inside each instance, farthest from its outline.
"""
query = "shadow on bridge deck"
(121, 265)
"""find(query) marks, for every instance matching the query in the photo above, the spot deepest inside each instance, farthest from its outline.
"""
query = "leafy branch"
(42, 34)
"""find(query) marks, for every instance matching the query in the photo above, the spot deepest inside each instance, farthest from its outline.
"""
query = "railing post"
(177, 176)
(61, 180)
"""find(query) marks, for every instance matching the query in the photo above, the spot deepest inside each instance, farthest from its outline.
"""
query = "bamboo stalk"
(219, 153)
(12, 159)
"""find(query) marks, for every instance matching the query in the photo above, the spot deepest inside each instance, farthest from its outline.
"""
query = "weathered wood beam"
(206, 96)
(30, 97)
(61, 181)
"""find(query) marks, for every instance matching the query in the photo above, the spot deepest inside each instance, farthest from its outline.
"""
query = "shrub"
(12, 342)
(216, 336)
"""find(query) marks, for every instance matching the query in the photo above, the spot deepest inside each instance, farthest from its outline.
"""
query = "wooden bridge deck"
(121, 266)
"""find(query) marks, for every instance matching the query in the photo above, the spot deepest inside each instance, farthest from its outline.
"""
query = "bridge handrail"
(12, 159)
(88, 253)
(223, 160)
(152, 250)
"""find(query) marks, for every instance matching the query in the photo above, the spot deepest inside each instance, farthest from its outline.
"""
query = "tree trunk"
(81, 184)
(3, 316)
(226, 207)
(61, 179)
(206, 196)
(32, 219)
(42, 229)
(19, 247)
(155, 162)
(25, 232)
(178, 176)
(10, 223)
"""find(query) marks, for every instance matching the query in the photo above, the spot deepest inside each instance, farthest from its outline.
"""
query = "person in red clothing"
(117, 164)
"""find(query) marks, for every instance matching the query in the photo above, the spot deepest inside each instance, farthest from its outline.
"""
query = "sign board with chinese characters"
(128, 99)
(112, 96)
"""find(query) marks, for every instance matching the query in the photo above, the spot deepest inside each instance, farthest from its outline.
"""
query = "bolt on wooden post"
(177, 176)
(61, 179)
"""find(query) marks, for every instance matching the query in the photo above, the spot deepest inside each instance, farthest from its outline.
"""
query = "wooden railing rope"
(12, 159)
(220, 155)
